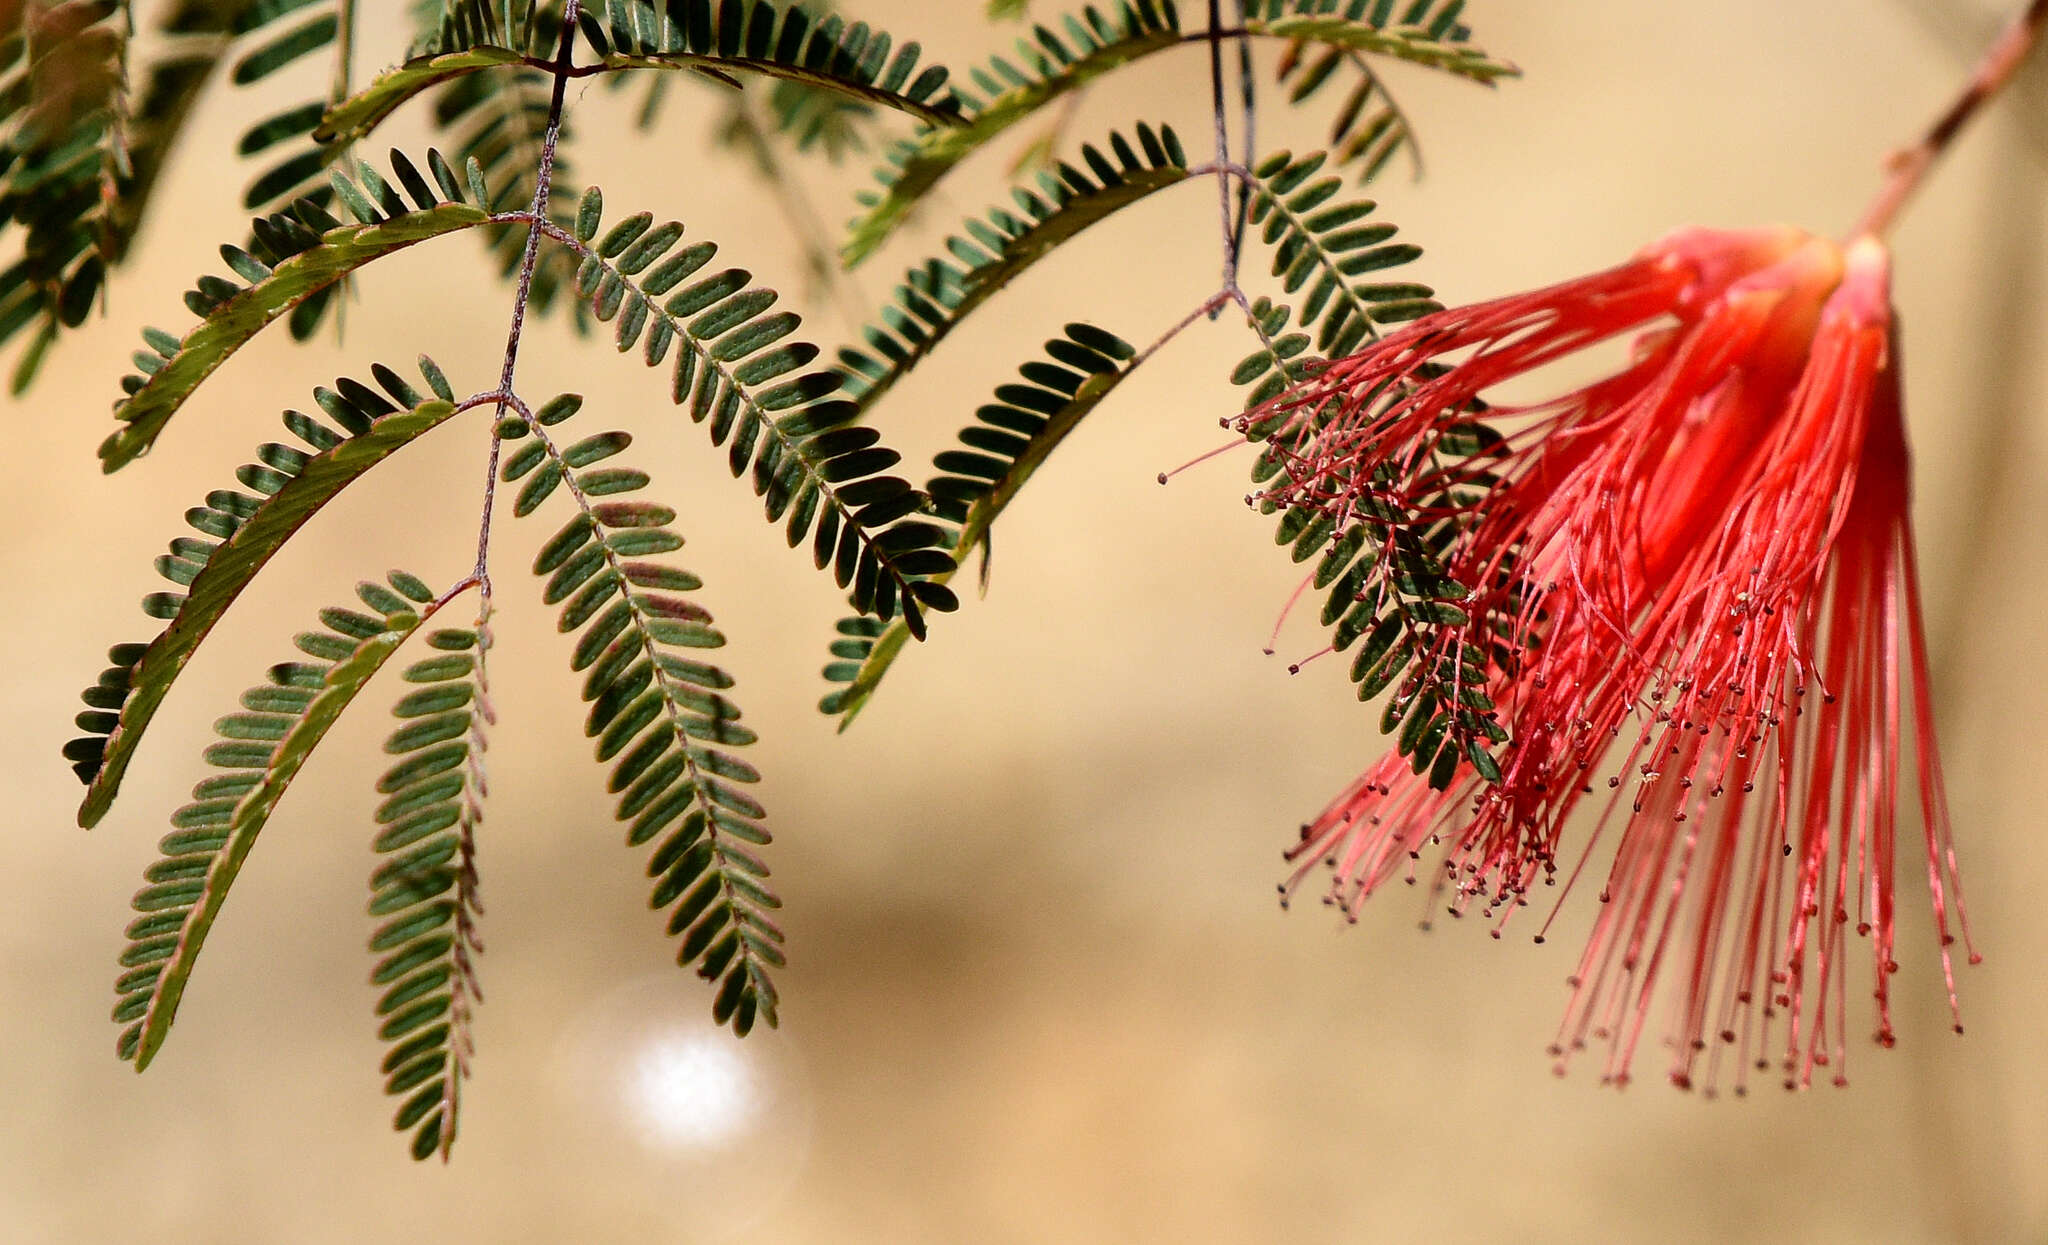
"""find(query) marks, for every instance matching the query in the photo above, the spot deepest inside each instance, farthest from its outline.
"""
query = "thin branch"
(728, 372)
(1210, 306)
(1248, 99)
(338, 90)
(1227, 168)
(546, 228)
(542, 183)
(1908, 166)
(1222, 129)
(543, 180)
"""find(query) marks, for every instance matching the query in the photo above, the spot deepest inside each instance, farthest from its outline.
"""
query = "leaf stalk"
(1908, 166)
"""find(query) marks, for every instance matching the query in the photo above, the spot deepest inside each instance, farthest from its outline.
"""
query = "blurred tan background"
(1040, 989)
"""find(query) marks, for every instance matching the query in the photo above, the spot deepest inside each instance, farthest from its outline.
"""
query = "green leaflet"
(424, 891)
(994, 249)
(1386, 590)
(1322, 245)
(354, 117)
(1052, 69)
(738, 370)
(842, 65)
(1012, 437)
(1370, 127)
(659, 713)
(227, 570)
(159, 970)
(239, 317)
(77, 171)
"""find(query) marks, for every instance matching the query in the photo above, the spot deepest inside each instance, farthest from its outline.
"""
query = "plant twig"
(1248, 100)
(1909, 165)
(542, 182)
(1210, 306)
(1216, 107)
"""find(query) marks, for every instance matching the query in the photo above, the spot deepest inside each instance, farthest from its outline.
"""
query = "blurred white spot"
(676, 1103)
(691, 1090)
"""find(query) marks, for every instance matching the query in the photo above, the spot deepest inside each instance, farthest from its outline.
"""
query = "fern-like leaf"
(734, 36)
(500, 121)
(1383, 576)
(63, 162)
(295, 166)
(1324, 245)
(1003, 94)
(1370, 127)
(993, 250)
(657, 712)
(1010, 438)
(1426, 33)
(260, 751)
(425, 891)
(1386, 590)
(295, 256)
(1095, 44)
(737, 370)
(77, 215)
(238, 532)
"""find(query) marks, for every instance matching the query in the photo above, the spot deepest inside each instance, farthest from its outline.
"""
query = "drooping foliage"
(998, 247)
(1386, 588)
(425, 889)
(89, 117)
(736, 371)
(295, 257)
(1052, 63)
(998, 453)
(239, 532)
(657, 713)
(260, 751)
(86, 125)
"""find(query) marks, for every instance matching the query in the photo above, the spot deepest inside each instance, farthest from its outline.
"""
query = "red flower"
(1694, 578)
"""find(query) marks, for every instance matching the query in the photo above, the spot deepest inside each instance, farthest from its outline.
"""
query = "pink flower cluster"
(1698, 579)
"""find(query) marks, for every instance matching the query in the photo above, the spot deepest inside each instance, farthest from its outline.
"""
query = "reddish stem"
(1908, 165)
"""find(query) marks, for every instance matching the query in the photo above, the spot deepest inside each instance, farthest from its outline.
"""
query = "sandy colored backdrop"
(1040, 990)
